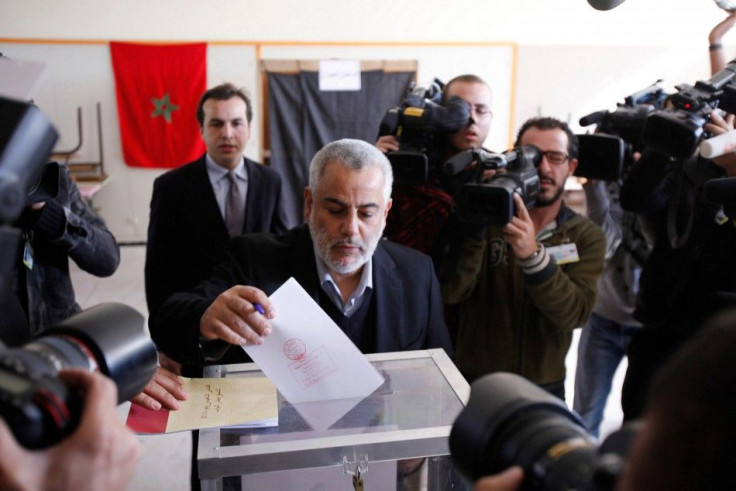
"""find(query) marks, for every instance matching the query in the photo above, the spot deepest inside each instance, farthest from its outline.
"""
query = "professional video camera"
(492, 202)
(677, 131)
(109, 338)
(604, 155)
(416, 122)
(510, 421)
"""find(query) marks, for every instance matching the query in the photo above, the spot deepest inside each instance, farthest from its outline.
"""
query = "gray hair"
(354, 154)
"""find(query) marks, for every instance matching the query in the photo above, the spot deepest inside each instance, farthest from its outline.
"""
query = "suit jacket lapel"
(253, 198)
(303, 263)
(202, 193)
(389, 298)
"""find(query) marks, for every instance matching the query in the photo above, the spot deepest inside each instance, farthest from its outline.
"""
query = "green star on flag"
(163, 107)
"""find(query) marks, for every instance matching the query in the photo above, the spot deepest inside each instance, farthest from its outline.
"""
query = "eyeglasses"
(556, 158)
(480, 109)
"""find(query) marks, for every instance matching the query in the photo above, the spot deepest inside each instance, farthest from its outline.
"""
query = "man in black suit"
(188, 230)
(197, 208)
(384, 296)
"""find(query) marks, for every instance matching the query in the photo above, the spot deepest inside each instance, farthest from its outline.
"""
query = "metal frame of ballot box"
(409, 416)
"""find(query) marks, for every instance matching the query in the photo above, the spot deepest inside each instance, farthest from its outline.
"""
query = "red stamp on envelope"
(295, 349)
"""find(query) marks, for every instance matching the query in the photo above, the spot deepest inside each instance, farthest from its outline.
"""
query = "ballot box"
(396, 438)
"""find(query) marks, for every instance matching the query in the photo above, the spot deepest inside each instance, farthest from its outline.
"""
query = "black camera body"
(416, 122)
(492, 202)
(677, 131)
(27, 138)
(605, 154)
(510, 421)
(109, 338)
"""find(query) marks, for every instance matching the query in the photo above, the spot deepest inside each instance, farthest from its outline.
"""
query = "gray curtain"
(302, 120)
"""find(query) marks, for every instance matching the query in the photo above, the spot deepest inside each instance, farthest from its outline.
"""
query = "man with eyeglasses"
(523, 287)
(420, 213)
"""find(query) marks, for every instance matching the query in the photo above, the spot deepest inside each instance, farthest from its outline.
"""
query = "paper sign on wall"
(339, 75)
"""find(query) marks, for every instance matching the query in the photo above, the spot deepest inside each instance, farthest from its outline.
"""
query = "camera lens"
(510, 421)
(109, 338)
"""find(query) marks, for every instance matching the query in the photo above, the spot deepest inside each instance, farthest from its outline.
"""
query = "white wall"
(571, 22)
(571, 59)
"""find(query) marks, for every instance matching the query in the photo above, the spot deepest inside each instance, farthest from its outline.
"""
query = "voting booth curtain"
(301, 118)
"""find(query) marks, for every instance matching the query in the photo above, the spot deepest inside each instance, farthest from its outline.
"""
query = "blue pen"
(259, 308)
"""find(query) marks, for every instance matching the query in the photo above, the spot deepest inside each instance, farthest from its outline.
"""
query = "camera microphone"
(605, 4)
(593, 118)
(459, 161)
(718, 145)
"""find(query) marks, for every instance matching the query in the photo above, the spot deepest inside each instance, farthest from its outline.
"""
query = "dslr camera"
(110, 338)
(510, 421)
(492, 202)
(606, 154)
(677, 131)
(416, 122)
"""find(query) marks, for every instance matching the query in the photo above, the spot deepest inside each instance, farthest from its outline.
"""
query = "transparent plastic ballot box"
(402, 427)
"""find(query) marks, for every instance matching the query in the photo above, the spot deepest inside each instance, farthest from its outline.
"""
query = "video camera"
(605, 154)
(510, 421)
(109, 338)
(415, 123)
(677, 131)
(492, 202)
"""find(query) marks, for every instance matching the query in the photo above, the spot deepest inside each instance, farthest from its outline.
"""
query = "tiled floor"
(165, 461)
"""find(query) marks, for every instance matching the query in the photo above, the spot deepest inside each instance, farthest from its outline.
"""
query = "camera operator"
(606, 336)
(692, 260)
(100, 454)
(41, 227)
(524, 286)
(56, 229)
(420, 212)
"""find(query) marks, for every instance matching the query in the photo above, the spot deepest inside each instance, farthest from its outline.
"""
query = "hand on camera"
(721, 124)
(508, 480)
(233, 317)
(519, 233)
(387, 143)
(165, 389)
(100, 454)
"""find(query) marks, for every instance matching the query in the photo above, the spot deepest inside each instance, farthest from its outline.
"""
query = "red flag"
(158, 88)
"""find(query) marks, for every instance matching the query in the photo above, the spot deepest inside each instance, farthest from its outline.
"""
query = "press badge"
(28, 256)
(564, 253)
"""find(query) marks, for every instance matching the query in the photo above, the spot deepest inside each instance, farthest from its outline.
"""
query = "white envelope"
(306, 356)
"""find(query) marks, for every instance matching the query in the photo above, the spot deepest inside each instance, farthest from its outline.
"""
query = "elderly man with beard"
(384, 296)
(523, 287)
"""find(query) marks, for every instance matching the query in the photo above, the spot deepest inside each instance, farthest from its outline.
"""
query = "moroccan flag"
(158, 88)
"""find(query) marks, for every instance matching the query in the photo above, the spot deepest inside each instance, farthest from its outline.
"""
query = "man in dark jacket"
(189, 222)
(523, 287)
(384, 296)
(692, 264)
(57, 227)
